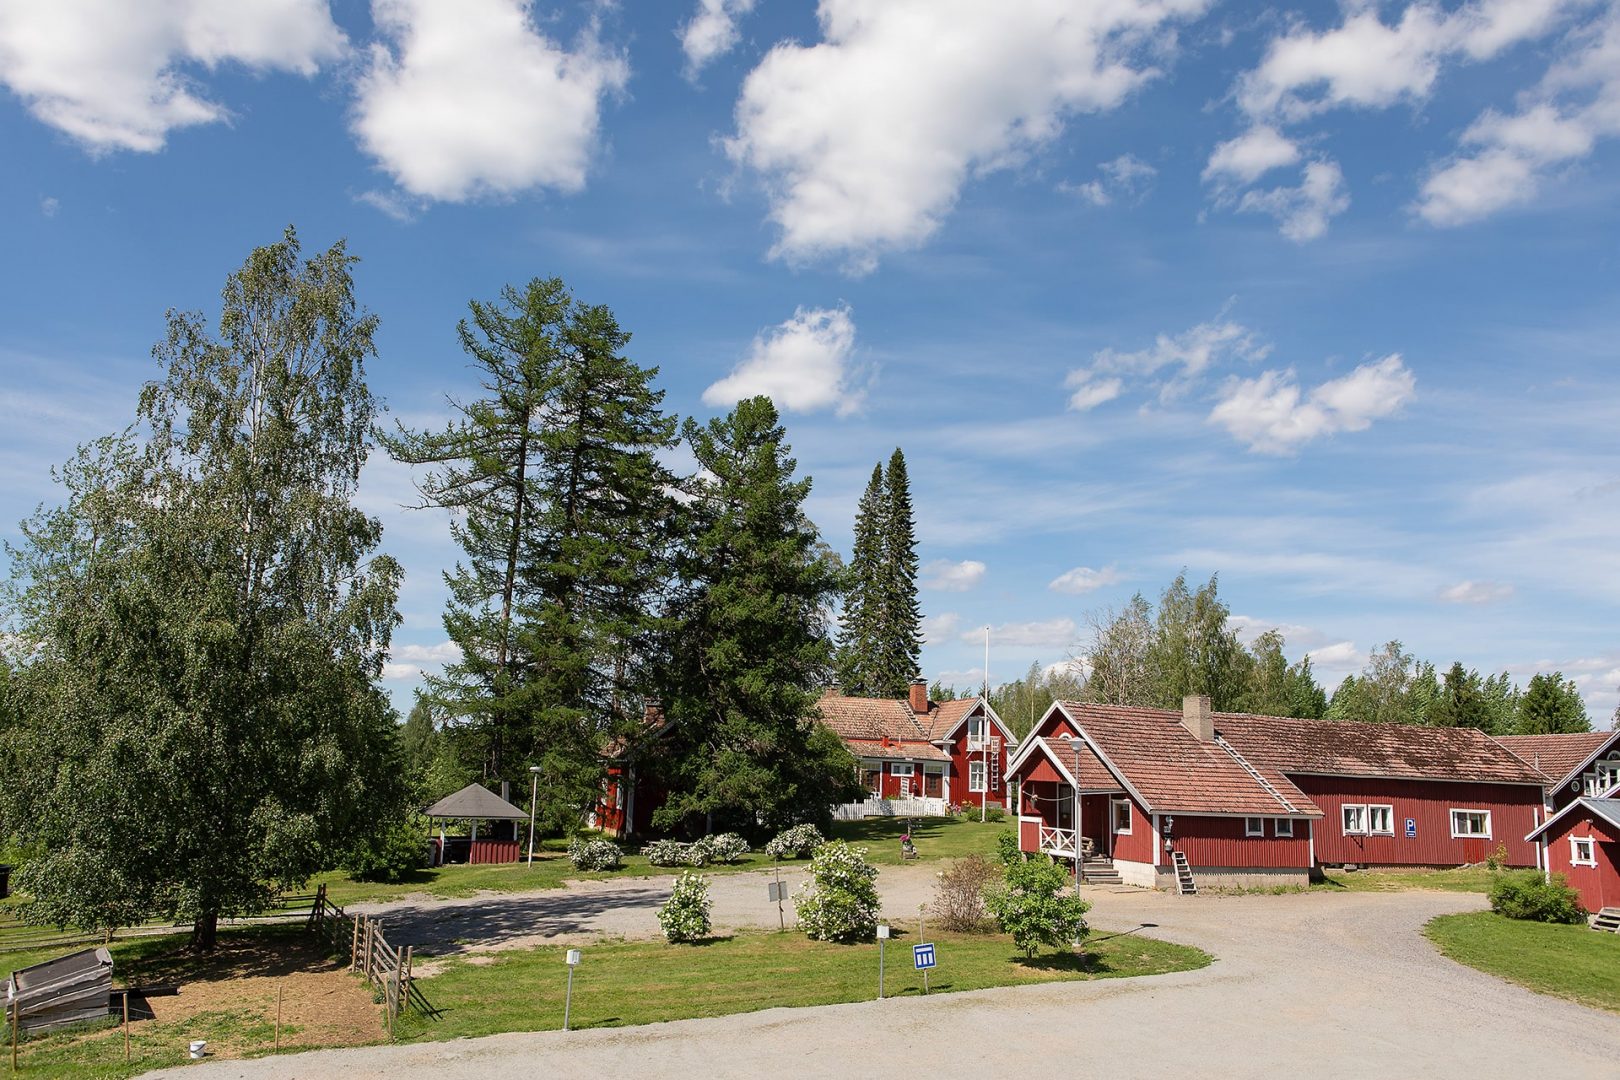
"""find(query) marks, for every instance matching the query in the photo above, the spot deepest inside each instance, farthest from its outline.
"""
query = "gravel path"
(1307, 985)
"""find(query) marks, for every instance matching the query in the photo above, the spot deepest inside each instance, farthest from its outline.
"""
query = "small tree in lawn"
(840, 901)
(1030, 906)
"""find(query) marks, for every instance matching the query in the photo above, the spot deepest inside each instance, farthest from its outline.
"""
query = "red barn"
(1582, 842)
(1242, 800)
(952, 751)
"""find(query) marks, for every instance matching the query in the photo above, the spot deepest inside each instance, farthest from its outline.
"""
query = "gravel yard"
(1314, 984)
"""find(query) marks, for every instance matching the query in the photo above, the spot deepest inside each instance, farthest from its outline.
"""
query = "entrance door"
(933, 783)
(1064, 807)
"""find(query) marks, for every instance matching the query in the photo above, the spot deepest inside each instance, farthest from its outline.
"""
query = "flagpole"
(984, 738)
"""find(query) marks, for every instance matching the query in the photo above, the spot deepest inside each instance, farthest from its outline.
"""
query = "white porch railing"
(1057, 841)
(889, 808)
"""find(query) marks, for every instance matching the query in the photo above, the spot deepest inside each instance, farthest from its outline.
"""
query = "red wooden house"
(1581, 763)
(1582, 842)
(1244, 800)
(950, 751)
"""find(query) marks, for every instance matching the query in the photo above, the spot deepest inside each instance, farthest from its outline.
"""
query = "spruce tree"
(1462, 701)
(899, 638)
(858, 634)
(1552, 705)
(748, 646)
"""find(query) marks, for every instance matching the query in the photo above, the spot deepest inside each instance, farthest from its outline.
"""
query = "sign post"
(923, 957)
(777, 891)
(882, 936)
(568, 1001)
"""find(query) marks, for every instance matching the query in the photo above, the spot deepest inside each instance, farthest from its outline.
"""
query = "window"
(975, 776)
(1285, 826)
(1581, 852)
(901, 768)
(871, 774)
(1355, 818)
(1381, 819)
(1603, 777)
(1254, 826)
(976, 730)
(1122, 816)
(1471, 823)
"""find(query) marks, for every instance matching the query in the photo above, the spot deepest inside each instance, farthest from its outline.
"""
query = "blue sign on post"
(1411, 828)
(923, 956)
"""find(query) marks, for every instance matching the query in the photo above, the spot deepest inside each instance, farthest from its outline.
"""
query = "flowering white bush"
(594, 854)
(840, 901)
(685, 916)
(667, 853)
(724, 848)
(795, 843)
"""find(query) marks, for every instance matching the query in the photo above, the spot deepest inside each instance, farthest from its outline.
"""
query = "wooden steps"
(1607, 919)
(1100, 871)
(1185, 885)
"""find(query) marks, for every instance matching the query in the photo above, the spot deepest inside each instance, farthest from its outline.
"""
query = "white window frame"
(1284, 826)
(1254, 826)
(1486, 814)
(1360, 826)
(1575, 845)
(902, 768)
(1115, 806)
(982, 722)
(982, 770)
(1373, 810)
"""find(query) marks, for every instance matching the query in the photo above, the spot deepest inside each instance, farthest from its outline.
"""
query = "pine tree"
(748, 644)
(1552, 705)
(858, 635)
(565, 522)
(899, 638)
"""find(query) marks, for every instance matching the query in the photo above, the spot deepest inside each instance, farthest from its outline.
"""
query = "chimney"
(1197, 718)
(652, 713)
(919, 696)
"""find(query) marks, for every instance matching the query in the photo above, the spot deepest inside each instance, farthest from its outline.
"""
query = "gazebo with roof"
(476, 803)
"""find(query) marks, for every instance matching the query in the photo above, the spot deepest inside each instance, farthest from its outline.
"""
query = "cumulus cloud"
(1272, 415)
(1251, 155)
(408, 661)
(804, 364)
(937, 629)
(116, 75)
(865, 138)
(1083, 579)
(711, 32)
(1127, 177)
(1504, 159)
(1303, 212)
(1476, 592)
(947, 576)
(1038, 634)
(1186, 355)
(470, 99)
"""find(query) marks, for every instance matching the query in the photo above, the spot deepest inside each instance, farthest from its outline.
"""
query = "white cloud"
(1251, 155)
(1088, 394)
(1509, 156)
(938, 629)
(399, 207)
(1331, 663)
(1188, 354)
(1271, 415)
(1083, 579)
(1303, 211)
(947, 576)
(470, 99)
(712, 32)
(1038, 634)
(398, 672)
(803, 364)
(1294, 634)
(1126, 177)
(866, 138)
(1476, 592)
(445, 652)
(117, 75)
(50, 205)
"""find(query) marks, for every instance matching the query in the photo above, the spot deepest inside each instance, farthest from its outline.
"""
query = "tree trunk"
(205, 932)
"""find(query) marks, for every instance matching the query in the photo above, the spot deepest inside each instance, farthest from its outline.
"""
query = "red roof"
(1393, 751)
(1556, 755)
(865, 723)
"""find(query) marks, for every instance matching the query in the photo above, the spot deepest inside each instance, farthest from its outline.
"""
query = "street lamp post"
(534, 797)
(1077, 855)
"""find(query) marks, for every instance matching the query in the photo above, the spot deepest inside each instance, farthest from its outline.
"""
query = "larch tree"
(748, 640)
(205, 618)
(565, 519)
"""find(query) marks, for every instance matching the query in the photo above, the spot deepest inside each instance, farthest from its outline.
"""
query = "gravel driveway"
(1310, 985)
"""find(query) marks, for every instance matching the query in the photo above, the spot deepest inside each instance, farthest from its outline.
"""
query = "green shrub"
(1007, 849)
(840, 901)
(1527, 894)
(391, 854)
(995, 813)
(685, 915)
(795, 843)
(724, 848)
(666, 852)
(1028, 904)
(1498, 858)
(595, 854)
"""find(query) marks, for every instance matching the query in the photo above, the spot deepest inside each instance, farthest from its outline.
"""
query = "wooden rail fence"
(385, 966)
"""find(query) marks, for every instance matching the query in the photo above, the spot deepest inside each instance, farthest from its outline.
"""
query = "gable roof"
(476, 801)
(870, 719)
(1606, 807)
(1387, 751)
(1061, 752)
(1561, 757)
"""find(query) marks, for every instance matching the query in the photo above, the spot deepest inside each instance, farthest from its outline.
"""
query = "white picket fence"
(855, 811)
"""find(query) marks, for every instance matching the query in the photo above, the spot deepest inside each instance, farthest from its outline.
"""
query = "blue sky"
(1321, 299)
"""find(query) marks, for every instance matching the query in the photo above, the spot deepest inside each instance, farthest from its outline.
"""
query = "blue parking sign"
(923, 956)
(1411, 828)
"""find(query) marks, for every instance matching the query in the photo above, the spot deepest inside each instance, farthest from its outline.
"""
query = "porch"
(1046, 821)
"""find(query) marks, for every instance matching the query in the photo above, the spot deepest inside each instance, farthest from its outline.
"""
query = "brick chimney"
(919, 696)
(1197, 717)
(652, 713)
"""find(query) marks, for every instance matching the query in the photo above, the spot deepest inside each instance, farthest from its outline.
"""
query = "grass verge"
(1474, 879)
(623, 983)
(1567, 961)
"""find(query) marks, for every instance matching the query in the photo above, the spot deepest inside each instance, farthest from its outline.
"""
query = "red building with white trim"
(1582, 842)
(1248, 800)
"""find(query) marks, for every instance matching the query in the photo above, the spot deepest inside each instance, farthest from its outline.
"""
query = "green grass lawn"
(936, 838)
(622, 983)
(1474, 879)
(1566, 961)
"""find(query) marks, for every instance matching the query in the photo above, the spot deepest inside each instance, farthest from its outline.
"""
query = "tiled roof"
(896, 751)
(1394, 751)
(1175, 772)
(871, 719)
(945, 715)
(1094, 775)
(1556, 755)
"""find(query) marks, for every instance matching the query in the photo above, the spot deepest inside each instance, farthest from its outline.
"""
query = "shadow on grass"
(1071, 963)
(703, 943)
